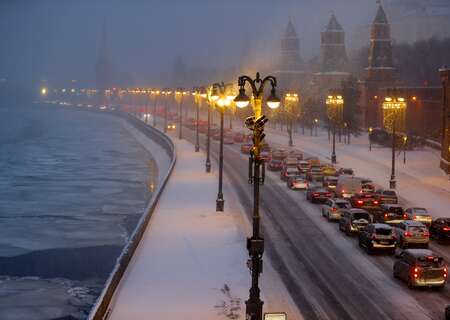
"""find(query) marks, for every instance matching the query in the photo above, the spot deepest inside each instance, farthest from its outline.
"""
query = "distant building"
(380, 70)
(103, 67)
(445, 153)
(333, 58)
(290, 72)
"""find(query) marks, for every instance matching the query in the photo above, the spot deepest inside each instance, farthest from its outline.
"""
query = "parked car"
(387, 196)
(391, 214)
(332, 208)
(274, 165)
(346, 171)
(303, 166)
(410, 233)
(377, 236)
(419, 214)
(354, 220)
(318, 194)
(246, 147)
(330, 183)
(421, 268)
(297, 182)
(365, 201)
(348, 186)
(440, 229)
(288, 172)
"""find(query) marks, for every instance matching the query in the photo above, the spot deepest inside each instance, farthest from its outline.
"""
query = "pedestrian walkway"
(420, 182)
(191, 261)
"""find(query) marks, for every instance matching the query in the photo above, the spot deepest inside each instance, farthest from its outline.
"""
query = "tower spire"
(103, 67)
(333, 52)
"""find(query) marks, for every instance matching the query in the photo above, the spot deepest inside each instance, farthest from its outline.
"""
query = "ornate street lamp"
(180, 93)
(370, 138)
(394, 108)
(290, 103)
(211, 98)
(222, 94)
(154, 93)
(255, 244)
(335, 104)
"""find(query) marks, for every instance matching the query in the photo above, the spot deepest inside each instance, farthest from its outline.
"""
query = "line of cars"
(374, 215)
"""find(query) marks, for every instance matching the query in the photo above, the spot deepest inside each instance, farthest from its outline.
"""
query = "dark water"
(72, 186)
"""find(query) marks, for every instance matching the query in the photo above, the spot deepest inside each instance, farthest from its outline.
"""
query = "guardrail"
(101, 310)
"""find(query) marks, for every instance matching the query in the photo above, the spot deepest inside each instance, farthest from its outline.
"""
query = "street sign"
(275, 316)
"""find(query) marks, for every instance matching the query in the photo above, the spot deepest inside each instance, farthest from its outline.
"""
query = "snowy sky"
(58, 39)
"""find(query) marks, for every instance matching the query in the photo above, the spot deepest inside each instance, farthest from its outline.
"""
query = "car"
(365, 201)
(348, 186)
(297, 182)
(440, 229)
(329, 171)
(290, 161)
(332, 208)
(171, 126)
(410, 233)
(387, 196)
(367, 186)
(391, 214)
(377, 236)
(228, 139)
(287, 172)
(296, 154)
(303, 166)
(315, 174)
(354, 220)
(419, 214)
(330, 183)
(318, 194)
(246, 147)
(421, 268)
(274, 165)
(279, 154)
(346, 171)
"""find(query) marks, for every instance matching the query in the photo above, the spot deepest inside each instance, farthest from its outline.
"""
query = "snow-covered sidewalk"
(190, 263)
(420, 182)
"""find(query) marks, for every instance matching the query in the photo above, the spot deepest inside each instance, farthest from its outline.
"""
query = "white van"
(348, 186)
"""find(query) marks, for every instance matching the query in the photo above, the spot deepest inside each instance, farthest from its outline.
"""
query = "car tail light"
(385, 215)
(407, 234)
(445, 272)
(426, 233)
(416, 272)
(328, 194)
(414, 217)
(343, 191)
(446, 228)
(405, 216)
(375, 202)
(333, 209)
(360, 202)
(315, 194)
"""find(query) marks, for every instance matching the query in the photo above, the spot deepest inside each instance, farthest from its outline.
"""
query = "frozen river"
(73, 184)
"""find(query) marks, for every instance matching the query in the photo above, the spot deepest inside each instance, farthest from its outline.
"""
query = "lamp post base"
(392, 183)
(220, 203)
(253, 309)
(208, 166)
(333, 159)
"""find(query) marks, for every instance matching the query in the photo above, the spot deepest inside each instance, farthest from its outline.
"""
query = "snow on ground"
(191, 261)
(420, 182)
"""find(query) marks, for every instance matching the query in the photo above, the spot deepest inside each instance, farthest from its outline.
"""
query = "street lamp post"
(291, 100)
(165, 93)
(155, 93)
(221, 94)
(208, 132)
(370, 138)
(179, 94)
(335, 103)
(255, 244)
(392, 106)
(405, 140)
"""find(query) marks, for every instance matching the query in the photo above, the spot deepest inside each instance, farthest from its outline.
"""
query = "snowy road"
(328, 276)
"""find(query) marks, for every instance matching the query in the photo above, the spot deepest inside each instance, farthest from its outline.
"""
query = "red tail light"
(385, 215)
(445, 272)
(405, 216)
(407, 234)
(446, 229)
(426, 233)
(375, 202)
(360, 202)
(333, 209)
(416, 272)
(315, 194)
